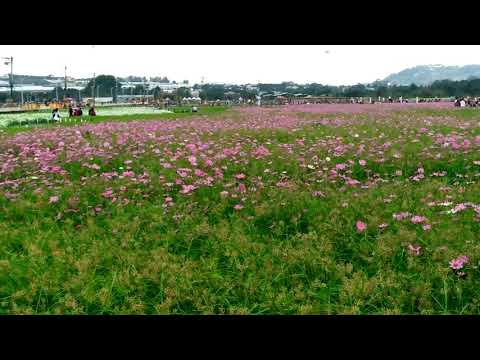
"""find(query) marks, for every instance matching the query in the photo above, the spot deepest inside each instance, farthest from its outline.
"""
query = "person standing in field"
(92, 112)
(55, 115)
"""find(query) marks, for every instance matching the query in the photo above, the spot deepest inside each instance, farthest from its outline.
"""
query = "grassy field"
(248, 211)
(175, 113)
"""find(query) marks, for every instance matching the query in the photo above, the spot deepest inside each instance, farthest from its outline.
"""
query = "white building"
(151, 85)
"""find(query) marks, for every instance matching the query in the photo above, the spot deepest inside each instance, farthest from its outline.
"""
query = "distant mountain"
(427, 74)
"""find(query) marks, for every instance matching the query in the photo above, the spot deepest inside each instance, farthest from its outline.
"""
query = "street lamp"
(10, 62)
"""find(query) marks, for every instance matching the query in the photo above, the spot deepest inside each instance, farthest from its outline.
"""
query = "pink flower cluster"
(458, 263)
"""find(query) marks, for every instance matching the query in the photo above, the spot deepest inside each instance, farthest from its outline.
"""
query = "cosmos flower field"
(317, 209)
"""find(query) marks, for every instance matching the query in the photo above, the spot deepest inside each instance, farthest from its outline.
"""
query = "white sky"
(344, 64)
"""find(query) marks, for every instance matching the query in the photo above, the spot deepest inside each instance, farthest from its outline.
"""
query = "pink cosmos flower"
(418, 219)
(128, 174)
(362, 162)
(238, 207)
(353, 182)
(168, 199)
(340, 166)
(361, 226)
(53, 199)
(191, 147)
(414, 249)
(208, 162)
(218, 173)
(242, 188)
(199, 173)
(426, 227)
(400, 216)
(458, 263)
(240, 176)
(108, 193)
(192, 160)
(187, 188)
(261, 152)
(382, 226)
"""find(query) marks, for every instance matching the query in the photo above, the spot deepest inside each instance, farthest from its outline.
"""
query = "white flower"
(327, 158)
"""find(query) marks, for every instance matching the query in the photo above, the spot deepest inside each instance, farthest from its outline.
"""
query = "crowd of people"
(468, 102)
(72, 111)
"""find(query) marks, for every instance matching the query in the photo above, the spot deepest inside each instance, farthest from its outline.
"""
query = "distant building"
(28, 88)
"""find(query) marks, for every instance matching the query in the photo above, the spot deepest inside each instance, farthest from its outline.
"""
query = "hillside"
(426, 74)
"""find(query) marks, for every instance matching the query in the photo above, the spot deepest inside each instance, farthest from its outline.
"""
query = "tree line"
(108, 85)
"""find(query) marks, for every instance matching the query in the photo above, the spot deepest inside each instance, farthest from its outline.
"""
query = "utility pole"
(65, 78)
(10, 62)
(21, 90)
(93, 90)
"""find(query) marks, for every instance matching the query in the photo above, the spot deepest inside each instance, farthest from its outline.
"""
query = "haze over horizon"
(239, 64)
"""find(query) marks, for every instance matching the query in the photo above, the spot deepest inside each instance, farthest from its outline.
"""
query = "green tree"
(183, 92)
(103, 86)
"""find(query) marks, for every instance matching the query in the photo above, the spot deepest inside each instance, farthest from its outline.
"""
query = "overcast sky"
(326, 64)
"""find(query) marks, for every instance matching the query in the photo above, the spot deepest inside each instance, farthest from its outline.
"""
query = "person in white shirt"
(55, 115)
